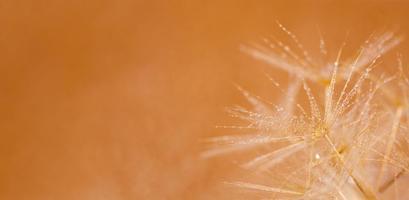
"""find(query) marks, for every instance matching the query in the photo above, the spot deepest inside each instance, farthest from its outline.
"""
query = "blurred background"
(112, 99)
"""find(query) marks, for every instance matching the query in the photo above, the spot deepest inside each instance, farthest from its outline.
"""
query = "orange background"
(110, 99)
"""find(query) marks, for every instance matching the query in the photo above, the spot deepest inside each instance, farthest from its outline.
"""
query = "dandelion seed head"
(345, 142)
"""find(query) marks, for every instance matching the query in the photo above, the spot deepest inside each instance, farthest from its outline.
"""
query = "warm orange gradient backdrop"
(110, 99)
